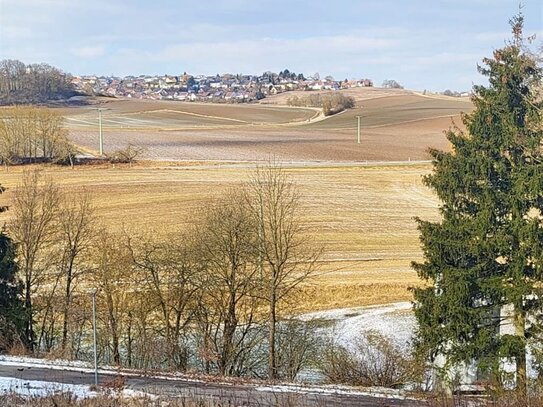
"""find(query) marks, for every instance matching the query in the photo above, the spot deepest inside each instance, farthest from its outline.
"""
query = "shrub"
(331, 103)
(373, 360)
(298, 347)
(127, 155)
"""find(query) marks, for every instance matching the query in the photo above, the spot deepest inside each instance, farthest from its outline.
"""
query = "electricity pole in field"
(358, 128)
(101, 138)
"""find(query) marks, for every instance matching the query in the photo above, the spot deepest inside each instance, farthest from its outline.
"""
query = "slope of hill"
(397, 125)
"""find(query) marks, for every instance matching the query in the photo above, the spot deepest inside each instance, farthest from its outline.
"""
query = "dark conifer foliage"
(12, 320)
(483, 260)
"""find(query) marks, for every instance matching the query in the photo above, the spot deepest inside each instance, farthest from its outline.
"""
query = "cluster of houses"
(218, 88)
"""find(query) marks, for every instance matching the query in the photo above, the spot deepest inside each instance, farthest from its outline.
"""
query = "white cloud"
(89, 52)
(326, 54)
(268, 48)
(16, 32)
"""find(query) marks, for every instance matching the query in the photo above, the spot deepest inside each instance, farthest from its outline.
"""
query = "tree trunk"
(225, 364)
(29, 328)
(129, 340)
(272, 362)
(66, 309)
(113, 329)
(520, 331)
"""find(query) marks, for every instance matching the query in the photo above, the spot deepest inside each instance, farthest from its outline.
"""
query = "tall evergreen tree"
(484, 259)
(12, 320)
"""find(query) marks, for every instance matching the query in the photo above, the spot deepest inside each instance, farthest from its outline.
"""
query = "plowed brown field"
(397, 125)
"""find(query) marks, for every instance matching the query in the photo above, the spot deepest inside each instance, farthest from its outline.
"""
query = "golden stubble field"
(362, 215)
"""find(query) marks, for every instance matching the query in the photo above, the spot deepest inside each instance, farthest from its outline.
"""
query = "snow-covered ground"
(395, 321)
(37, 388)
(84, 367)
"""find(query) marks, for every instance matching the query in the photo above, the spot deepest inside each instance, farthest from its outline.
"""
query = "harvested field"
(359, 94)
(394, 110)
(362, 215)
(160, 115)
(395, 142)
(399, 127)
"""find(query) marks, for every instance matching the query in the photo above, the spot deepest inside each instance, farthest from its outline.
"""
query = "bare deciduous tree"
(34, 134)
(286, 255)
(34, 225)
(167, 275)
(111, 277)
(32, 83)
(227, 245)
(127, 155)
(77, 223)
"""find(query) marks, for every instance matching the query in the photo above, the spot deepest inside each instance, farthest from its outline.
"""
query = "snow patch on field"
(395, 321)
(36, 388)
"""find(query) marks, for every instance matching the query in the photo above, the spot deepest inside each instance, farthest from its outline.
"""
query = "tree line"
(34, 134)
(32, 83)
(214, 298)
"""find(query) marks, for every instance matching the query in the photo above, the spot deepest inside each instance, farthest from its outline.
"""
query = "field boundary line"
(207, 116)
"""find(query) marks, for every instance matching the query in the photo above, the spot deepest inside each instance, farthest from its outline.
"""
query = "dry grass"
(362, 215)
(67, 400)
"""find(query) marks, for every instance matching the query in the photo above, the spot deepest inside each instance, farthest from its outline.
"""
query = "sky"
(422, 44)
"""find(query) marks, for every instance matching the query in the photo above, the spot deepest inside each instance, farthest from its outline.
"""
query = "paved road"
(237, 395)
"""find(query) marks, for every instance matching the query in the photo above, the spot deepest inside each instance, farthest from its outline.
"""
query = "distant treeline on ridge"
(33, 83)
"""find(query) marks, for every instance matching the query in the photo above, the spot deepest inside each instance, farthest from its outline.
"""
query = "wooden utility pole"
(101, 141)
(358, 138)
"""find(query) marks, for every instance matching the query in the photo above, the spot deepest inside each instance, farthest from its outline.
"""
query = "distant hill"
(360, 94)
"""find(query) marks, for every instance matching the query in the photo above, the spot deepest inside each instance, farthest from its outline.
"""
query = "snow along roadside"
(43, 388)
(38, 388)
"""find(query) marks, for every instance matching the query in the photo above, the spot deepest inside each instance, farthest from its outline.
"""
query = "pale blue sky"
(423, 44)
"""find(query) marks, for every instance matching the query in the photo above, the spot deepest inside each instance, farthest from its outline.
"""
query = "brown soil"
(400, 126)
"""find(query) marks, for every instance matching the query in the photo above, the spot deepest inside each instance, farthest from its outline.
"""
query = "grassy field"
(362, 215)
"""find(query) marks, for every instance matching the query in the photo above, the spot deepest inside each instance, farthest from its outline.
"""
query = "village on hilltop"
(218, 88)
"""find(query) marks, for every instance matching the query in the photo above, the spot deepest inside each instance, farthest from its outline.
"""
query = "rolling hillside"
(397, 125)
